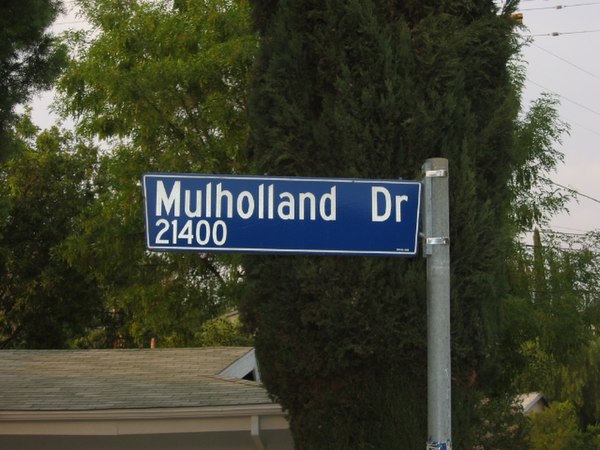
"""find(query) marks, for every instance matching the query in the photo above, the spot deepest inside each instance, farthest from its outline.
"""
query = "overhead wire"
(588, 129)
(562, 33)
(544, 1)
(566, 61)
(573, 231)
(577, 242)
(575, 191)
(566, 233)
(565, 98)
(581, 69)
(559, 7)
(75, 22)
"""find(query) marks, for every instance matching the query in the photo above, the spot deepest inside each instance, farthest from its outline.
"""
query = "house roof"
(151, 399)
(530, 400)
(78, 380)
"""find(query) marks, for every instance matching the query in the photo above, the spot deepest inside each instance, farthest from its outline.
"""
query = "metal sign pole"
(436, 248)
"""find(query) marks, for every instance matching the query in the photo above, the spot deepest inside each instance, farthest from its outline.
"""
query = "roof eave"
(143, 421)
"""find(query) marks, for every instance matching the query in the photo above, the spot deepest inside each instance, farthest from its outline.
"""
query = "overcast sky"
(568, 65)
(562, 59)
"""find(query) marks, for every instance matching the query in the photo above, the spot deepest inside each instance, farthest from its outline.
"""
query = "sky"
(567, 65)
(562, 60)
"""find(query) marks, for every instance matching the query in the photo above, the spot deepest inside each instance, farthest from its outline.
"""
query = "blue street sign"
(252, 214)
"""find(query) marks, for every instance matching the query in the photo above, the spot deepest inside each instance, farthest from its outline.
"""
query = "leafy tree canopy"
(551, 322)
(169, 82)
(163, 89)
(556, 429)
(43, 301)
(30, 57)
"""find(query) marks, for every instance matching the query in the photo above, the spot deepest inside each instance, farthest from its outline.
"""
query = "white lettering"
(375, 216)
(312, 204)
(209, 200)
(188, 204)
(261, 201)
(219, 200)
(376, 195)
(331, 199)
(240, 205)
(165, 227)
(219, 224)
(399, 200)
(170, 201)
(289, 204)
(202, 229)
(271, 201)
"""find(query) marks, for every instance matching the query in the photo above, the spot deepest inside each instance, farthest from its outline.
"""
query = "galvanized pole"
(436, 248)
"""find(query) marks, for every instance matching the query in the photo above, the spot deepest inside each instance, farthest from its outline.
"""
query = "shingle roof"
(528, 401)
(49, 380)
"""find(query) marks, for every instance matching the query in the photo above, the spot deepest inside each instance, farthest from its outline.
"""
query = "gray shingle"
(43, 380)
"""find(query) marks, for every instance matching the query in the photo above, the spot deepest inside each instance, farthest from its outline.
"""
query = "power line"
(583, 127)
(567, 61)
(565, 98)
(558, 33)
(579, 231)
(577, 242)
(574, 191)
(538, 1)
(571, 232)
(564, 249)
(75, 22)
(577, 5)
(564, 233)
(578, 68)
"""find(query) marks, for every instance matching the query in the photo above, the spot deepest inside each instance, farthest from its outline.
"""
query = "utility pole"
(436, 248)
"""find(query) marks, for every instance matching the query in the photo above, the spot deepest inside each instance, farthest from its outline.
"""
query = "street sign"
(288, 215)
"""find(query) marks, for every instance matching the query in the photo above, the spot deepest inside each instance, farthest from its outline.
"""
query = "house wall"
(275, 440)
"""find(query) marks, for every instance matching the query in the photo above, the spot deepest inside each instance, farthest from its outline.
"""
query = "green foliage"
(556, 429)
(223, 332)
(30, 58)
(371, 89)
(170, 82)
(536, 198)
(589, 410)
(593, 434)
(32, 279)
(357, 88)
(328, 359)
(502, 425)
(164, 90)
(550, 339)
(43, 301)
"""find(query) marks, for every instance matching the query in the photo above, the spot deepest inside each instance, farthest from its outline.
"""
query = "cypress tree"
(371, 88)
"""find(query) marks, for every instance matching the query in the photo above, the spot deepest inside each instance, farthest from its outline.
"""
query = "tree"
(163, 88)
(224, 331)
(44, 303)
(502, 425)
(30, 58)
(371, 89)
(556, 429)
(536, 198)
(551, 322)
(166, 83)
